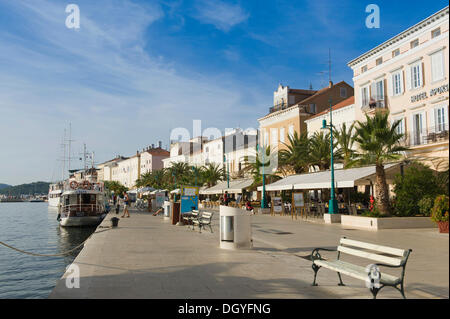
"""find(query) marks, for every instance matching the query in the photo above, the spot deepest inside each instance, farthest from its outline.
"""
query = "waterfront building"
(408, 75)
(105, 168)
(343, 113)
(292, 107)
(152, 159)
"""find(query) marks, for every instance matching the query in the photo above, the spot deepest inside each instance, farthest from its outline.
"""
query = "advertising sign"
(189, 198)
(298, 200)
(277, 204)
(160, 197)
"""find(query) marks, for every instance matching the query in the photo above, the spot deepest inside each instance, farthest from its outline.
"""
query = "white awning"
(175, 191)
(344, 178)
(236, 186)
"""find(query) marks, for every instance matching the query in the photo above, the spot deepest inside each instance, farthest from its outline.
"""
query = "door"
(418, 128)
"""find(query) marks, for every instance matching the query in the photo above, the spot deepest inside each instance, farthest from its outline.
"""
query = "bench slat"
(383, 259)
(378, 248)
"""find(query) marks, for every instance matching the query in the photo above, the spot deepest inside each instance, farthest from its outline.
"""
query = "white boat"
(82, 204)
(54, 194)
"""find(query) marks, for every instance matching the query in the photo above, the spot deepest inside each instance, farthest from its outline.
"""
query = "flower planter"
(443, 227)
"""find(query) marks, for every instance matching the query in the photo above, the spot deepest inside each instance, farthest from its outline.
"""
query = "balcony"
(428, 136)
(375, 102)
(278, 107)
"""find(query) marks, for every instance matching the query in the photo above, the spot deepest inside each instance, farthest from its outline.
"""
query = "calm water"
(33, 227)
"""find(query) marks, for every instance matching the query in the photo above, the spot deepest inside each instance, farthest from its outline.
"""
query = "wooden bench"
(375, 279)
(189, 218)
(203, 220)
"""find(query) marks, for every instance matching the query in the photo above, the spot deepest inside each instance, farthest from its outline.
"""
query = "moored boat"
(82, 204)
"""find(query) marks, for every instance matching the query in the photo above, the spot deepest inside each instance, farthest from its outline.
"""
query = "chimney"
(160, 144)
(330, 84)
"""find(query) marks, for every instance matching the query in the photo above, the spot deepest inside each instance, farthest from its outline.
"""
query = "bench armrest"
(315, 255)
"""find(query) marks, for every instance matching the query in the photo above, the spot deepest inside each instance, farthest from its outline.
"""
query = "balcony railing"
(377, 102)
(278, 107)
(427, 136)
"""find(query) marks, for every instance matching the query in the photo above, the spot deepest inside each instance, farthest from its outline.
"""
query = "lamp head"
(324, 124)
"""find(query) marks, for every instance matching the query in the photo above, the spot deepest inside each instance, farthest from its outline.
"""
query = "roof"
(305, 101)
(236, 186)
(441, 13)
(344, 178)
(158, 152)
(340, 105)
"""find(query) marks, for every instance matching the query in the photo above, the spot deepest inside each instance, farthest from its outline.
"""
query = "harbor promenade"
(147, 257)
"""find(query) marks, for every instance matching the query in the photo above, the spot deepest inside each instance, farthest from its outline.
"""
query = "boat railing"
(85, 208)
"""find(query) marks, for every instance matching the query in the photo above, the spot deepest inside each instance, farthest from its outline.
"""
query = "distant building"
(293, 107)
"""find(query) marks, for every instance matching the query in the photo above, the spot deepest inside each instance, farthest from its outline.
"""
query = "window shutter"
(373, 90)
(402, 86)
(408, 78)
(361, 94)
(390, 85)
(432, 120)
(421, 75)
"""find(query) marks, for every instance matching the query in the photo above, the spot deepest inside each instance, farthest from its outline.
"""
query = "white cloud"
(101, 79)
(222, 15)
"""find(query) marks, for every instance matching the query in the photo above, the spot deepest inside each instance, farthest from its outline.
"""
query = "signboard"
(298, 199)
(189, 199)
(277, 204)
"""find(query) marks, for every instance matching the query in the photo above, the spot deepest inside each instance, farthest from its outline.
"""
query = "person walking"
(226, 199)
(126, 205)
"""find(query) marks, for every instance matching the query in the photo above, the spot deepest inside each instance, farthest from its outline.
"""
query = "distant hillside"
(26, 189)
(4, 186)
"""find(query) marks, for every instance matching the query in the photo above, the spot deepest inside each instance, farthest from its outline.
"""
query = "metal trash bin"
(227, 228)
(114, 222)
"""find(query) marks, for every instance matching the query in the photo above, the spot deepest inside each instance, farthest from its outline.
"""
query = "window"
(379, 61)
(437, 66)
(414, 43)
(418, 128)
(397, 83)
(312, 108)
(440, 118)
(364, 69)
(291, 130)
(343, 92)
(282, 135)
(395, 53)
(416, 75)
(401, 126)
(435, 33)
(378, 90)
(364, 96)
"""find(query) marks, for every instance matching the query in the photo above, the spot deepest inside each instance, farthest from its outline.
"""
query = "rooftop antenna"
(329, 64)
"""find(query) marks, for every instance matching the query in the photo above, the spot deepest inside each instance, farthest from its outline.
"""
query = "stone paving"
(147, 257)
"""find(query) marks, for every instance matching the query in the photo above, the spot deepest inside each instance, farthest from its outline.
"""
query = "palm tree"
(345, 140)
(253, 166)
(296, 157)
(212, 173)
(319, 151)
(178, 173)
(379, 142)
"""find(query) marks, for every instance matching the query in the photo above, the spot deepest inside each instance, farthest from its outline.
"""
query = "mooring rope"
(52, 255)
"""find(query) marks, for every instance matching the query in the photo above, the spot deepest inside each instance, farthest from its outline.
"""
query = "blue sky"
(137, 69)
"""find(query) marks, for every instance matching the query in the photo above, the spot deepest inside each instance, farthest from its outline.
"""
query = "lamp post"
(332, 205)
(228, 171)
(263, 200)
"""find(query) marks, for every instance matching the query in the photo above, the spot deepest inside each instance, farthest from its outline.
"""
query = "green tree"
(212, 173)
(417, 182)
(345, 139)
(295, 158)
(379, 142)
(253, 166)
(115, 187)
(319, 151)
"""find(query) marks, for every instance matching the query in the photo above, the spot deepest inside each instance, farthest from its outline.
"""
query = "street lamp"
(228, 171)
(263, 200)
(332, 205)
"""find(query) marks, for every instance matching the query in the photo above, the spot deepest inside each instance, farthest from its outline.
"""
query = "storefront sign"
(433, 92)
(298, 200)
(277, 204)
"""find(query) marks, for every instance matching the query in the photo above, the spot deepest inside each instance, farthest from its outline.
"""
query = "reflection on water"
(33, 227)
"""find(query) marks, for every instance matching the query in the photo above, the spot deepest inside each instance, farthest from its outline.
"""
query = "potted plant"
(439, 214)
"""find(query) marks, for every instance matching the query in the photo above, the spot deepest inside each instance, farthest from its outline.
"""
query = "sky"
(137, 69)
